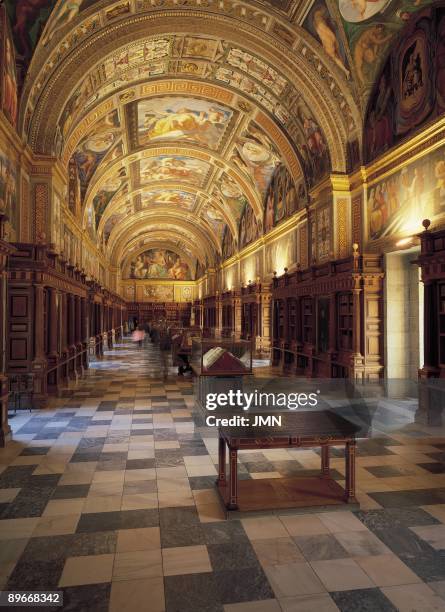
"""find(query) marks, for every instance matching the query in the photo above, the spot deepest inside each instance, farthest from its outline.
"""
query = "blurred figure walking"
(138, 335)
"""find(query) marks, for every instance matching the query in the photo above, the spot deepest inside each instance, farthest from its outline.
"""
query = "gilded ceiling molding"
(337, 118)
(179, 240)
(145, 223)
(190, 151)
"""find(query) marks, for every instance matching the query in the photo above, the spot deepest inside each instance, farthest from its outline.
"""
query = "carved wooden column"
(39, 364)
(53, 345)
(109, 326)
(237, 314)
(78, 334)
(218, 306)
(333, 332)
(64, 335)
(265, 318)
(72, 336)
(5, 250)
(84, 331)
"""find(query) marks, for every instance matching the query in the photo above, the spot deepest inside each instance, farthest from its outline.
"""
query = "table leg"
(350, 472)
(221, 481)
(325, 461)
(233, 494)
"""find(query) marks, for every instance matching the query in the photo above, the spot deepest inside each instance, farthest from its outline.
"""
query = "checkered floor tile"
(109, 496)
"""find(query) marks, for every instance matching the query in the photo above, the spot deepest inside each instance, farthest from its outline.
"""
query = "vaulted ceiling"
(172, 115)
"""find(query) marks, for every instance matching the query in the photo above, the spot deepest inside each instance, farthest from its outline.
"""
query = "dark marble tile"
(371, 448)
(259, 466)
(16, 476)
(388, 471)
(437, 456)
(141, 432)
(236, 554)
(86, 456)
(30, 502)
(89, 443)
(189, 450)
(362, 600)
(182, 515)
(417, 497)
(428, 565)
(44, 480)
(320, 547)
(87, 598)
(224, 532)
(434, 468)
(392, 518)
(70, 545)
(402, 540)
(140, 464)
(173, 537)
(71, 491)
(126, 519)
(237, 585)
(166, 435)
(34, 450)
(191, 593)
(42, 575)
(201, 482)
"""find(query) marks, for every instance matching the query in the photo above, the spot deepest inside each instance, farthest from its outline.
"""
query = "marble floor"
(108, 496)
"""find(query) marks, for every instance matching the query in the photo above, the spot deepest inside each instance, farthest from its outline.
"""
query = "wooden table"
(298, 429)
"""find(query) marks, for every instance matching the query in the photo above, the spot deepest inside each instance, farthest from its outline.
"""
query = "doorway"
(403, 306)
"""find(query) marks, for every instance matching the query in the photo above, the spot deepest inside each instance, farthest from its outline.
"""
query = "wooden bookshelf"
(345, 320)
(308, 319)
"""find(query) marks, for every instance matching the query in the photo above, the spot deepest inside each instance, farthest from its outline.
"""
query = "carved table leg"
(325, 461)
(221, 480)
(233, 497)
(350, 472)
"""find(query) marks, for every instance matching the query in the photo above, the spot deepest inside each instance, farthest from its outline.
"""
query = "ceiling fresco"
(179, 123)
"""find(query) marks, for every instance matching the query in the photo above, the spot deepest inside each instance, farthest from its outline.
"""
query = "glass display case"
(221, 357)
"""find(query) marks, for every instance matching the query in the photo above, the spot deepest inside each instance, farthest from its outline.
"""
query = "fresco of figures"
(176, 198)
(371, 27)
(215, 219)
(249, 228)
(94, 147)
(311, 145)
(323, 27)
(29, 18)
(255, 155)
(228, 244)
(160, 293)
(229, 194)
(401, 201)
(411, 87)
(171, 118)
(8, 76)
(177, 168)
(8, 188)
(158, 264)
(283, 197)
